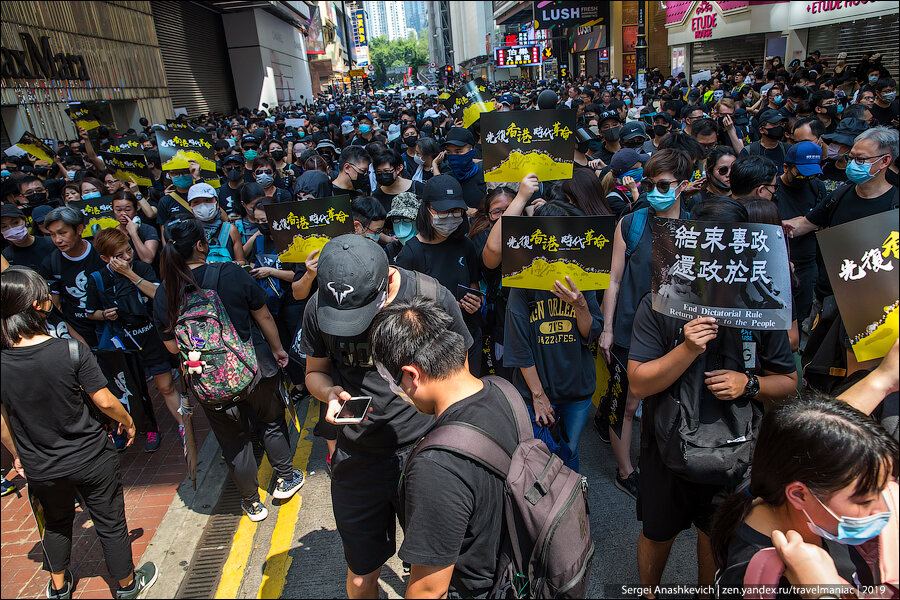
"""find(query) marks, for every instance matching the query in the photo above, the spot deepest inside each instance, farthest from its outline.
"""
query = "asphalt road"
(315, 566)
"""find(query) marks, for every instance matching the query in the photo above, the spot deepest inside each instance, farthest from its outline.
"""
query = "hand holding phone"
(354, 410)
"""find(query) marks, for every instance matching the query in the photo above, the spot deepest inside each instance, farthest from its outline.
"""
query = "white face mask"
(206, 211)
(396, 389)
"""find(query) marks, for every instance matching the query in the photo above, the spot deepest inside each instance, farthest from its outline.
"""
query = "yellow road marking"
(242, 544)
(277, 561)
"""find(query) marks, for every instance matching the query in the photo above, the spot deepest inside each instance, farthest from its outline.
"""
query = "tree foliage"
(411, 52)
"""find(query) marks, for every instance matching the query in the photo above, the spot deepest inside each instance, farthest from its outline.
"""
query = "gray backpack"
(547, 548)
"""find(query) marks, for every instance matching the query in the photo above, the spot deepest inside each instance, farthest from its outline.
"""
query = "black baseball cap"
(233, 158)
(608, 114)
(443, 193)
(353, 273)
(11, 210)
(772, 116)
(460, 136)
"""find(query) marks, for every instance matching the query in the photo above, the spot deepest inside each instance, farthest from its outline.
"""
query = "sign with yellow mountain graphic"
(35, 147)
(298, 228)
(861, 258)
(471, 100)
(178, 148)
(90, 115)
(126, 167)
(519, 142)
(540, 250)
(127, 144)
(99, 212)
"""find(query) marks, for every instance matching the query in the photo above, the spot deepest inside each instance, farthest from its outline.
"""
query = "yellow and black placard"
(90, 115)
(126, 167)
(126, 144)
(99, 212)
(538, 251)
(176, 124)
(861, 258)
(519, 142)
(471, 100)
(35, 147)
(178, 148)
(298, 228)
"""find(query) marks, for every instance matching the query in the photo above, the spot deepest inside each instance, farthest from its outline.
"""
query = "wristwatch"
(752, 388)
(139, 197)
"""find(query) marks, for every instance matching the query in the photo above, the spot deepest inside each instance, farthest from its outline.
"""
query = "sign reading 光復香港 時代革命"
(537, 251)
(298, 228)
(737, 273)
(519, 142)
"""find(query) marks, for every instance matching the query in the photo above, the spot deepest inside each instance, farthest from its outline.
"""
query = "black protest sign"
(737, 273)
(99, 212)
(173, 124)
(540, 250)
(126, 167)
(298, 228)
(35, 147)
(90, 115)
(178, 148)
(520, 142)
(470, 100)
(861, 260)
(127, 144)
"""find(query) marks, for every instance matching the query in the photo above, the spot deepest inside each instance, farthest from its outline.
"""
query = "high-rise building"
(386, 19)
(376, 18)
(415, 15)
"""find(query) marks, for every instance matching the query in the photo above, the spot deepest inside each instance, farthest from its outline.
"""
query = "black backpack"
(547, 550)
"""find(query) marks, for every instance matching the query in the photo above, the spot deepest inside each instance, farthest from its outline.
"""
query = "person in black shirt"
(55, 440)
(174, 204)
(442, 250)
(798, 484)
(702, 366)
(143, 239)
(886, 107)
(389, 176)
(451, 504)
(70, 264)
(264, 173)
(772, 124)
(353, 172)
(370, 456)
(797, 193)
(184, 269)
(233, 167)
(459, 155)
(610, 124)
(24, 248)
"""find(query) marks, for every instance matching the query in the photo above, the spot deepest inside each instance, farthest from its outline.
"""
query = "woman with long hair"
(54, 439)
(184, 270)
(821, 469)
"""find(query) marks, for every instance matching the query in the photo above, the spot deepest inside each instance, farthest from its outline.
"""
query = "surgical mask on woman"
(181, 181)
(852, 531)
(404, 229)
(90, 195)
(16, 234)
(206, 211)
(662, 201)
(446, 224)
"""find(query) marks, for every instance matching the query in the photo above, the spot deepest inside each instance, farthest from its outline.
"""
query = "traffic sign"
(370, 68)
(433, 65)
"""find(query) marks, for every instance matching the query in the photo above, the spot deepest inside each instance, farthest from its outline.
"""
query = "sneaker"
(256, 511)
(153, 439)
(602, 430)
(143, 579)
(285, 488)
(630, 484)
(120, 441)
(8, 488)
(64, 593)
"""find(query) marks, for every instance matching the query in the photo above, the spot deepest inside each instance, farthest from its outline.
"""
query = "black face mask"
(385, 179)
(775, 133)
(410, 140)
(36, 198)
(277, 154)
(660, 130)
(612, 134)
(234, 174)
(635, 143)
(831, 111)
(361, 182)
(264, 228)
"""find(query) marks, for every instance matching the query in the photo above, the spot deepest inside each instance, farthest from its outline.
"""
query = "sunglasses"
(265, 172)
(723, 170)
(663, 186)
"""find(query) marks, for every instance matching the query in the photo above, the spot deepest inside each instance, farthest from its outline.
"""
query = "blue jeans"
(575, 416)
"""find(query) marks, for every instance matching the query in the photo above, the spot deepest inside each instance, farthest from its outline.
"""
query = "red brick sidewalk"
(150, 482)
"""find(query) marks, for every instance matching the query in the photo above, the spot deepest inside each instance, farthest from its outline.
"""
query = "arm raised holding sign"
(493, 248)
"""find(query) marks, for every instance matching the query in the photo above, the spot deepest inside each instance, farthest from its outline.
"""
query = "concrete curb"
(177, 536)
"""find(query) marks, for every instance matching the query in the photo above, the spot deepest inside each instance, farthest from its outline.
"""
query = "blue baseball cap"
(806, 156)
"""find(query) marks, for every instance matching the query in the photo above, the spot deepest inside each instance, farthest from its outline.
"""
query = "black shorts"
(367, 506)
(668, 504)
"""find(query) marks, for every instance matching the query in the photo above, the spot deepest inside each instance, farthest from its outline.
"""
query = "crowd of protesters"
(412, 312)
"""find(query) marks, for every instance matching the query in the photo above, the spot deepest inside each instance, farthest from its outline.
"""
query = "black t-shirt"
(145, 233)
(416, 187)
(393, 423)
(169, 209)
(849, 207)
(134, 311)
(474, 189)
(71, 277)
(238, 291)
(542, 332)
(30, 256)
(338, 191)
(746, 542)
(797, 202)
(776, 154)
(55, 433)
(885, 115)
(230, 199)
(468, 498)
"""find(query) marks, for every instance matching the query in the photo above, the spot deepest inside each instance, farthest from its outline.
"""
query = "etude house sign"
(38, 61)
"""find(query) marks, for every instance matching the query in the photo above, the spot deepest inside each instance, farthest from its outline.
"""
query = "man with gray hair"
(68, 266)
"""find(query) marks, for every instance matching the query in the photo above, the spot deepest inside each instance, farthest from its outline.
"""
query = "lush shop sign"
(39, 61)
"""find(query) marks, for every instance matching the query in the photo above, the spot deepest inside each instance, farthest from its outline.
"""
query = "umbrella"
(190, 442)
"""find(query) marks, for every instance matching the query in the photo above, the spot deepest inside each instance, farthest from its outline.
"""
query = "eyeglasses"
(710, 145)
(456, 212)
(249, 148)
(497, 212)
(723, 170)
(663, 186)
(231, 168)
(374, 231)
(860, 159)
(383, 172)
(358, 169)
